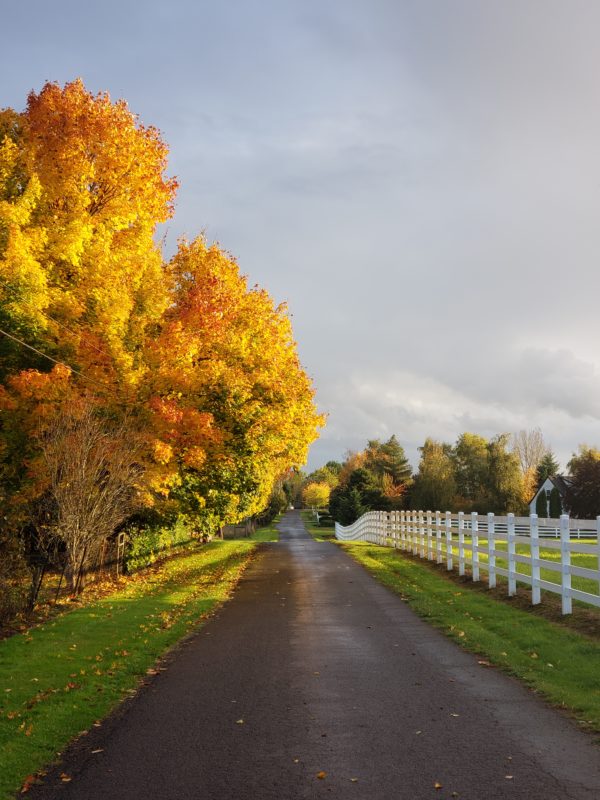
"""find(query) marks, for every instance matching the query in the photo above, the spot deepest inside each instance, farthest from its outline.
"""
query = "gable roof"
(562, 483)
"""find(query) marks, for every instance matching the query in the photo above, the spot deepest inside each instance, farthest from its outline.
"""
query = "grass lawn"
(550, 657)
(57, 679)
(548, 554)
(267, 533)
(316, 531)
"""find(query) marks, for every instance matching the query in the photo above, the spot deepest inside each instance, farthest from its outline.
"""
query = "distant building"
(559, 482)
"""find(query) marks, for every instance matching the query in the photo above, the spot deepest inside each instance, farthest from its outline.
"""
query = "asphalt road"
(313, 667)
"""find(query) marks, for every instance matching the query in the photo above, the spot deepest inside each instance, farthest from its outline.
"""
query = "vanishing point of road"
(315, 669)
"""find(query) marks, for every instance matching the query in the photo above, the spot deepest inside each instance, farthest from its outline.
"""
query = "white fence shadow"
(509, 546)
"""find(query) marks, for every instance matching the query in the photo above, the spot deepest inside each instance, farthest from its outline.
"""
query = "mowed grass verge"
(316, 531)
(268, 532)
(56, 680)
(554, 660)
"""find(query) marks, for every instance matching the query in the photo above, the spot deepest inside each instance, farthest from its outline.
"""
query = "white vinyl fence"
(460, 539)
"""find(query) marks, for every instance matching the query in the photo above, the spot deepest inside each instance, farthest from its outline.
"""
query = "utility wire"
(56, 322)
(54, 360)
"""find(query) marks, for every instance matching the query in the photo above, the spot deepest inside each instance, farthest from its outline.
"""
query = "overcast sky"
(418, 179)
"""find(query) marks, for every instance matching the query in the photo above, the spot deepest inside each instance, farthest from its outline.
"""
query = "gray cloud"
(420, 181)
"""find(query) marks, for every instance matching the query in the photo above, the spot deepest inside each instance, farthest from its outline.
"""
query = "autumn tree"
(316, 495)
(373, 479)
(583, 491)
(231, 404)
(93, 467)
(504, 477)
(205, 367)
(387, 458)
(84, 187)
(470, 455)
(530, 448)
(435, 483)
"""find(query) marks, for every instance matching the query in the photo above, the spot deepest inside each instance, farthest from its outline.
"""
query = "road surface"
(315, 668)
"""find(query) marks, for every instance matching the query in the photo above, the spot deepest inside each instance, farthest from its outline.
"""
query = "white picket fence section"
(436, 535)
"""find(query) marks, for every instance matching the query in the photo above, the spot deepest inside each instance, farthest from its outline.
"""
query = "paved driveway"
(314, 668)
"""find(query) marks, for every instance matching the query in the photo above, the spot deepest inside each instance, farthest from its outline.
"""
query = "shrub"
(147, 544)
(555, 503)
(15, 577)
(541, 505)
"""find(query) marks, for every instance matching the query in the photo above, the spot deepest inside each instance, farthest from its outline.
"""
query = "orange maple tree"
(93, 317)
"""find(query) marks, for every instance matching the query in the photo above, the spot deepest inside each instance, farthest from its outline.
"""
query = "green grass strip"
(318, 533)
(267, 533)
(57, 679)
(560, 663)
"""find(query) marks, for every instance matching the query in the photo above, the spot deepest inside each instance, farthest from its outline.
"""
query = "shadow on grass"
(58, 679)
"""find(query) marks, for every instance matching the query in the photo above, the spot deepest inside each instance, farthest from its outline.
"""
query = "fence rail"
(527, 550)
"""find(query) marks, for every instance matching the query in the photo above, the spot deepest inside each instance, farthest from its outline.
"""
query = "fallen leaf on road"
(508, 777)
(65, 778)
(437, 785)
(484, 663)
(353, 780)
(455, 715)
(296, 761)
(27, 783)
(99, 750)
(321, 775)
(418, 733)
(239, 722)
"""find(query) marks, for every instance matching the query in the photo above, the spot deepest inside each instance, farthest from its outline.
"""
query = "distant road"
(314, 668)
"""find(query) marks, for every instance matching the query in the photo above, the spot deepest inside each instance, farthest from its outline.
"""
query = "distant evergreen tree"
(541, 505)
(387, 458)
(547, 468)
(350, 501)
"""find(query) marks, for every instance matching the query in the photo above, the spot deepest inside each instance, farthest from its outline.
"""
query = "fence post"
(534, 552)
(438, 536)
(461, 543)
(414, 537)
(448, 540)
(510, 546)
(475, 545)
(565, 564)
(401, 529)
(421, 534)
(491, 528)
(428, 533)
(598, 543)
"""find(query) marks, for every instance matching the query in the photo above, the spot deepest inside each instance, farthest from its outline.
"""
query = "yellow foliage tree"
(316, 495)
(205, 367)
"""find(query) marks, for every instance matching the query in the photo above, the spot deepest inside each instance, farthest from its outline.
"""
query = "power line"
(56, 322)
(54, 360)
